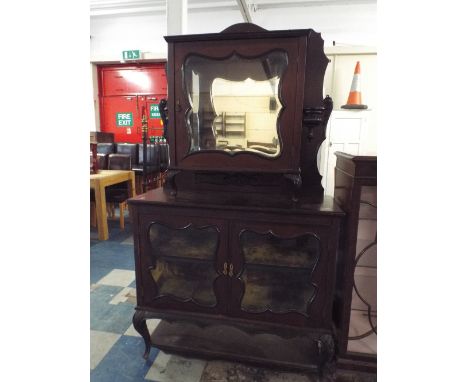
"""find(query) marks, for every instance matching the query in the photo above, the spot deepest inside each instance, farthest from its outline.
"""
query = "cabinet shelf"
(266, 249)
(187, 242)
(276, 290)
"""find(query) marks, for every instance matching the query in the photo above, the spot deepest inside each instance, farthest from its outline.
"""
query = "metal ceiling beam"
(280, 4)
(107, 8)
(244, 9)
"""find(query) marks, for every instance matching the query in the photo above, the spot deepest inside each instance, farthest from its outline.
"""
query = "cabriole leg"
(139, 323)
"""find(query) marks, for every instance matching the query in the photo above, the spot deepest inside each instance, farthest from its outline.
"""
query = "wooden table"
(99, 182)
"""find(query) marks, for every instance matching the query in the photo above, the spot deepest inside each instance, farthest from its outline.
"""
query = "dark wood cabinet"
(356, 289)
(237, 252)
(273, 82)
(255, 266)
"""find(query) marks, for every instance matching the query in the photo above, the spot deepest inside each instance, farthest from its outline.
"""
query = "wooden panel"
(237, 343)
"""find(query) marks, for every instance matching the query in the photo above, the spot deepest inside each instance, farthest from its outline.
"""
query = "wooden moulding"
(232, 343)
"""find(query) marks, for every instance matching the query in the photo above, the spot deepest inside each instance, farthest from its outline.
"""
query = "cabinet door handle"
(225, 272)
(231, 270)
(178, 107)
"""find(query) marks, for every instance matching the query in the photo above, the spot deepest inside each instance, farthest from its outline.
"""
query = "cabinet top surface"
(240, 34)
(159, 198)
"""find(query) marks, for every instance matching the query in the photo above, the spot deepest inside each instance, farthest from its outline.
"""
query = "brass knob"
(225, 272)
(231, 270)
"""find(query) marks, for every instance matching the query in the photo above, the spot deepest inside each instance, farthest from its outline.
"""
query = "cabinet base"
(226, 342)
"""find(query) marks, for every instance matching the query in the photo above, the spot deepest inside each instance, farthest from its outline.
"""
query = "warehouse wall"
(345, 24)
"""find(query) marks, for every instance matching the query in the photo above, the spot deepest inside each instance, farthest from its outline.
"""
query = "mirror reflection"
(235, 103)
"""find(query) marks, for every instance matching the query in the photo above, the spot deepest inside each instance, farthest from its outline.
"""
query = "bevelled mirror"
(235, 103)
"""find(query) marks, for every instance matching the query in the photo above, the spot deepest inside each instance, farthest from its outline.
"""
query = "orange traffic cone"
(354, 98)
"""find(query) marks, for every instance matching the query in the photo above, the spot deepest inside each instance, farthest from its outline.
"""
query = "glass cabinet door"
(183, 257)
(277, 270)
(234, 102)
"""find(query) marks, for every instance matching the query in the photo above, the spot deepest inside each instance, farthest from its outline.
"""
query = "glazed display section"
(247, 115)
(259, 271)
(237, 253)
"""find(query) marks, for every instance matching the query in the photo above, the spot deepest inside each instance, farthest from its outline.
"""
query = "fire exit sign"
(154, 111)
(131, 54)
(124, 119)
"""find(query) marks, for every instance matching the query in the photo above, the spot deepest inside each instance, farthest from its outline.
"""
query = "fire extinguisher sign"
(124, 119)
(154, 111)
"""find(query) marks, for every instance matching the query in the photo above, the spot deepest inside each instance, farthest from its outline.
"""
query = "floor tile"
(221, 371)
(151, 324)
(101, 342)
(103, 294)
(108, 317)
(118, 277)
(97, 273)
(173, 368)
(112, 255)
(127, 294)
(128, 240)
(124, 362)
(115, 233)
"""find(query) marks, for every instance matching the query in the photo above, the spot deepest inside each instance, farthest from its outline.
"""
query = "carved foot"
(139, 323)
(327, 354)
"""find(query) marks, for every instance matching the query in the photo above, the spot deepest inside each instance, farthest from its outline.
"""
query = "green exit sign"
(154, 111)
(131, 54)
(124, 119)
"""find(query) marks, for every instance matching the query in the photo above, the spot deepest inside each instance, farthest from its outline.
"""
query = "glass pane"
(235, 103)
(368, 207)
(190, 242)
(369, 194)
(301, 251)
(363, 321)
(278, 290)
(186, 280)
(268, 285)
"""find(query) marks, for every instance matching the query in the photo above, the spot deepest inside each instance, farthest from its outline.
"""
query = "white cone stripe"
(356, 85)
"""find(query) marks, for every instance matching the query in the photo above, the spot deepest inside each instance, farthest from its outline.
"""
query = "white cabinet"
(345, 133)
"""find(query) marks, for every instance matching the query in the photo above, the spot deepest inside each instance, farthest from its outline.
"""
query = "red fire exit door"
(150, 106)
(126, 92)
(122, 117)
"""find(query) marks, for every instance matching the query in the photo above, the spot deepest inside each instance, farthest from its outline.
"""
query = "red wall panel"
(124, 92)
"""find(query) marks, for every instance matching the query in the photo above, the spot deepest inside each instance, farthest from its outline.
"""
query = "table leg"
(103, 230)
(132, 185)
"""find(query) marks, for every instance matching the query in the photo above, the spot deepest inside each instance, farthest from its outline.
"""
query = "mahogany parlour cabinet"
(236, 254)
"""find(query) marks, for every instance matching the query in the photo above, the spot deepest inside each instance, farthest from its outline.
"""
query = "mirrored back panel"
(235, 103)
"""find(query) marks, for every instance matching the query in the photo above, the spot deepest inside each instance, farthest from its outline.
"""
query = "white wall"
(112, 35)
(345, 24)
